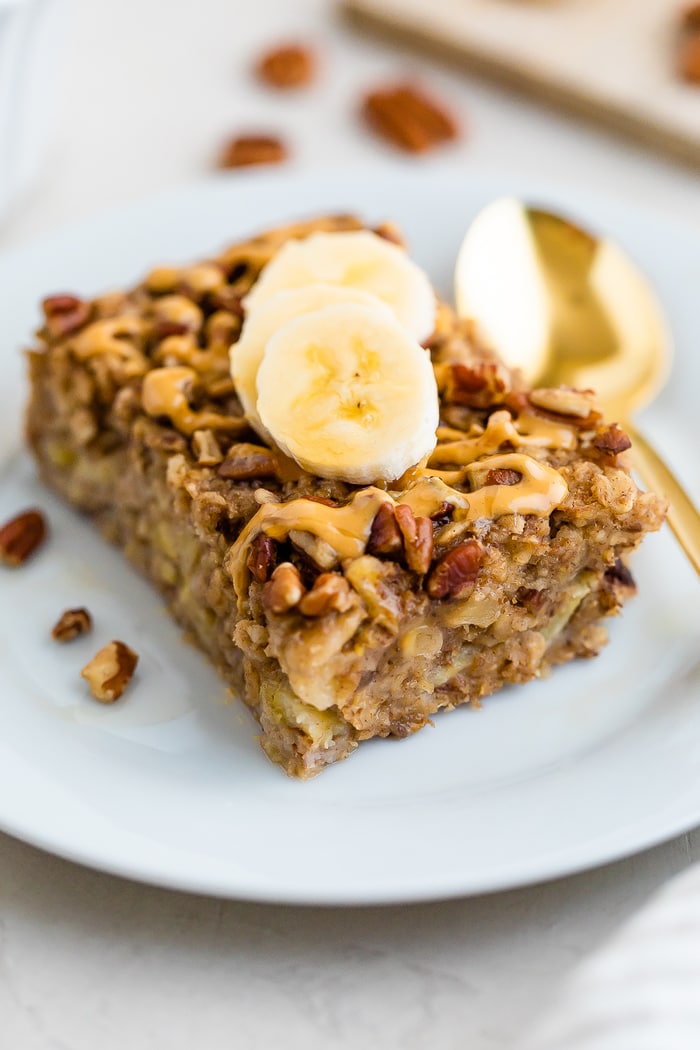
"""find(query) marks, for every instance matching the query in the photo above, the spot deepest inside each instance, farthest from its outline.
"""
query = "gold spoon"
(570, 308)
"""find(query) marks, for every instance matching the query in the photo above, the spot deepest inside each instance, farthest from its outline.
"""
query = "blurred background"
(104, 101)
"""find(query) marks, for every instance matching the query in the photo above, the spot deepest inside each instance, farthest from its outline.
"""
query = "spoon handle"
(683, 516)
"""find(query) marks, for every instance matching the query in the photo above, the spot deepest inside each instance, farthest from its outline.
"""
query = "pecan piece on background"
(21, 536)
(245, 150)
(455, 571)
(262, 557)
(284, 590)
(65, 314)
(286, 67)
(417, 538)
(110, 671)
(612, 440)
(385, 535)
(245, 461)
(71, 624)
(408, 118)
(330, 593)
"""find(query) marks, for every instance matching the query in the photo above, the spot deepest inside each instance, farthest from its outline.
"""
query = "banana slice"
(273, 314)
(349, 394)
(356, 259)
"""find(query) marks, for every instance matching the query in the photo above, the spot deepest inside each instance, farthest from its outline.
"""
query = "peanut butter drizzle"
(501, 429)
(345, 529)
(111, 337)
(164, 393)
(541, 490)
(183, 348)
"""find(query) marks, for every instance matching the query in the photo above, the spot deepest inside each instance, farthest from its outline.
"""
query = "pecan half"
(21, 536)
(262, 557)
(479, 385)
(385, 535)
(417, 538)
(330, 593)
(503, 476)
(70, 624)
(65, 314)
(246, 150)
(283, 590)
(287, 67)
(110, 671)
(612, 440)
(245, 461)
(408, 118)
(455, 571)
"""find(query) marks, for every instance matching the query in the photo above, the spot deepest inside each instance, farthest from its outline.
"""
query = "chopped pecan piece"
(206, 448)
(71, 623)
(389, 232)
(612, 440)
(455, 571)
(284, 590)
(245, 461)
(21, 536)
(579, 405)
(110, 671)
(443, 514)
(619, 576)
(262, 557)
(287, 67)
(164, 329)
(408, 118)
(385, 535)
(246, 150)
(65, 314)
(503, 476)
(330, 593)
(479, 385)
(530, 597)
(417, 538)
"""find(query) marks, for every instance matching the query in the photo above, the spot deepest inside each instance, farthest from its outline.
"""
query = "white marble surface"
(88, 960)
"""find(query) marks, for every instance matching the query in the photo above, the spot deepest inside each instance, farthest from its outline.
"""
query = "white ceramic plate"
(169, 786)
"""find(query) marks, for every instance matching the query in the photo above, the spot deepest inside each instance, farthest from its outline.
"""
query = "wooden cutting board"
(609, 60)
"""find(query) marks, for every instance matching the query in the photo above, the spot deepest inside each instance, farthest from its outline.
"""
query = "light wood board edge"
(520, 79)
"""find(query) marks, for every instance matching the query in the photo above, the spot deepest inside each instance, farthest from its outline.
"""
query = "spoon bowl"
(569, 308)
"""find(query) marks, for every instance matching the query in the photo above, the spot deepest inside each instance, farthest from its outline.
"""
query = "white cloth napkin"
(641, 991)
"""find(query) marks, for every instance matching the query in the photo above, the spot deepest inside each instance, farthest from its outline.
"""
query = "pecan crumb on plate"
(408, 118)
(110, 671)
(70, 624)
(246, 150)
(286, 67)
(21, 536)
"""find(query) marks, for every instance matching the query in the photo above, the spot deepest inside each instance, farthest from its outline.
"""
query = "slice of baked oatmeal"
(339, 611)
